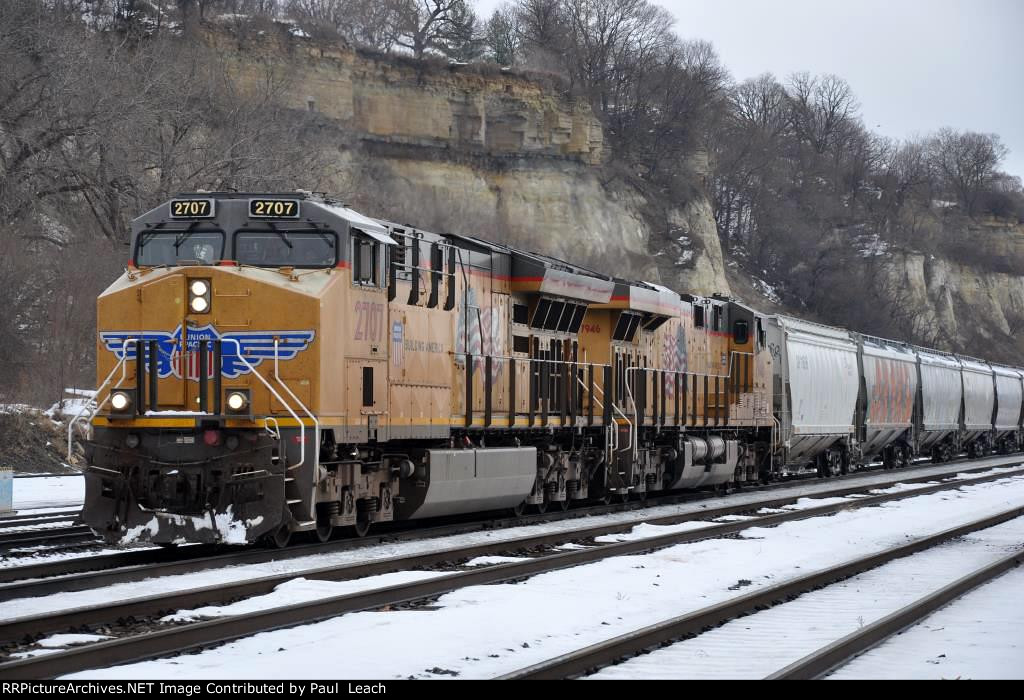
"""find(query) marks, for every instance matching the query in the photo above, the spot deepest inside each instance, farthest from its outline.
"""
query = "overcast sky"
(915, 65)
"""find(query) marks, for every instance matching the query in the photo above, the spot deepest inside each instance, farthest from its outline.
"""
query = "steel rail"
(81, 573)
(610, 651)
(28, 538)
(148, 645)
(38, 518)
(830, 656)
(137, 568)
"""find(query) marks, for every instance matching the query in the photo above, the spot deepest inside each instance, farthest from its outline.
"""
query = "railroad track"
(67, 528)
(22, 520)
(813, 665)
(55, 535)
(82, 573)
(191, 635)
(831, 656)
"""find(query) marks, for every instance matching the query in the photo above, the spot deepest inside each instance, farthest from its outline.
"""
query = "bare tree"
(427, 24)
(822, 109)
(373, 23)
(503, 35)
(967, 162)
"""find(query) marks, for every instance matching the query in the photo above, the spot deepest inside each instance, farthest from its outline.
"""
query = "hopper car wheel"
(324, 531)
(361, 528)
(605, 499)
(519, 510)
(541, 507)
(564, 505)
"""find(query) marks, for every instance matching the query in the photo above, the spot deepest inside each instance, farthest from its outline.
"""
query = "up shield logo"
(178, 350)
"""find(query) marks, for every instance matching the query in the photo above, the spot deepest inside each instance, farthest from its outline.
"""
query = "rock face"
(969, 306)
(492, 154)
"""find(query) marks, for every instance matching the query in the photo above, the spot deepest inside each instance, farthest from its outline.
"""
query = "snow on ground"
(59, 641)
(300, 590)
(48, 492)
(49, 553)
(979, 636)
(785, 633)
(492, 560)
(482, 631)
(302, 565)
(40, 527)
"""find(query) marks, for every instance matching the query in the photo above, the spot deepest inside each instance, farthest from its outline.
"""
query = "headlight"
(120, 400)
(237, 401)
(199, 296)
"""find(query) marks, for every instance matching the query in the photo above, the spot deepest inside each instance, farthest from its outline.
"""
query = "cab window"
(279, 248)
(172, 248)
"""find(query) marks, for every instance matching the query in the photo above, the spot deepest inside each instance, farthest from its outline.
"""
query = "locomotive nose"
(217, 361)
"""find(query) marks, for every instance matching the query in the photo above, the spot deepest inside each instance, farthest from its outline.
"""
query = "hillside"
(489, 153)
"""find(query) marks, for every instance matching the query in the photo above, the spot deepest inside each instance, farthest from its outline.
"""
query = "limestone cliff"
(480, 151)
(973, 301)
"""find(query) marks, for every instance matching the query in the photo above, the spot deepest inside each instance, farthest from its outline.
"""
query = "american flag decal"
(397, 343)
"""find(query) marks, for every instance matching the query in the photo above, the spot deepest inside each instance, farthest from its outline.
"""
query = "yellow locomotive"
(277, 363)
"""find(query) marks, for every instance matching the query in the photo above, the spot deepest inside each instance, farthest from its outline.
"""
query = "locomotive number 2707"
(369, 320)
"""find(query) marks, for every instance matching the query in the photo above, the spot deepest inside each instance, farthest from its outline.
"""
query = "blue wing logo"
(257, 346)
(180, 359)
(166, 344)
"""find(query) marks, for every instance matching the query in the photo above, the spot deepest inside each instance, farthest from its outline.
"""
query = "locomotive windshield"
(177, 247)
(287, 248)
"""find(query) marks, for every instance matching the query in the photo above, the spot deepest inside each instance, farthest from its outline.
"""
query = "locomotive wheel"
(324, 531)
(361, 528)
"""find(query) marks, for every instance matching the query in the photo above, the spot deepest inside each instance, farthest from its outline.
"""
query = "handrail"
(316, 423)
(302, 426)
(276, 432)
(96, 408)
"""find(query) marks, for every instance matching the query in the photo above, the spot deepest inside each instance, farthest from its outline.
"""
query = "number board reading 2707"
(191, 208)
(273, 209)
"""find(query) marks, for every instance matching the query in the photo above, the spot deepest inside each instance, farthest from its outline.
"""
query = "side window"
(740, 332)
(698, 316)
(366, 261)
(717, 316)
